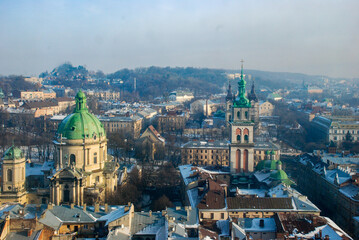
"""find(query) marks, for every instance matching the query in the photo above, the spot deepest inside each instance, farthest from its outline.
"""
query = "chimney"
(84, 207)
(150, 213)
(326, 237)
(106, 207)
(72, 205)
(261, 223)
(50, 206)
(188, 213)
(320, 234)
(29, 232)
(97, 207)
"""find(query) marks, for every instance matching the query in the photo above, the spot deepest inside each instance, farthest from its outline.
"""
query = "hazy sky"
(308, 36)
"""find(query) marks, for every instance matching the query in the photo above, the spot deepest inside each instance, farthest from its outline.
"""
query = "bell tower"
(13, 176)
(242, 128)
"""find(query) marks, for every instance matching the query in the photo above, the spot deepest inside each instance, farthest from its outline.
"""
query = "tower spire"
(242, 100)
(242, 69)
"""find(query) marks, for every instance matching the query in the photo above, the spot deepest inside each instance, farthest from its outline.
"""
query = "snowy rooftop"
(254, 225)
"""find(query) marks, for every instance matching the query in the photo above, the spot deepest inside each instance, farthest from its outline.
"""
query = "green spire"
(80, 102)
(241, 100)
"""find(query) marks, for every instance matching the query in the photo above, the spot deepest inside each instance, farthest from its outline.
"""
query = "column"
(57, 198)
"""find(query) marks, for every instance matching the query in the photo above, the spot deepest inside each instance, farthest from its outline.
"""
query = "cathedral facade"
(83, 167)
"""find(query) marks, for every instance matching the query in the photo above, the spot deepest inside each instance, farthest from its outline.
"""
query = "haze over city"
(312, 37)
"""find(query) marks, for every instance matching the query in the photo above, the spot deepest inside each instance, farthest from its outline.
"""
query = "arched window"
(9, 175)
(246, 134)
(72, 159)
(238, 131)
(238, 138)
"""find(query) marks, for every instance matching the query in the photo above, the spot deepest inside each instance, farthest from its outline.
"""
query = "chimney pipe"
(261, 223)
(106, 207)
(97, 207)
(84, 207)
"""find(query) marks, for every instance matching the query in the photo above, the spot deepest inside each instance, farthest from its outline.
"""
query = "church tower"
(242, 128)
(252, 97)
(13, 176)
(229, 103)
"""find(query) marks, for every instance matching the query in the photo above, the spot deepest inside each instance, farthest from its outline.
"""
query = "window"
(72, 159)
(222, 215)
(97, 179)
(238, 138)
(9, 175)
(246, 114)
(212, 215)
(238, 113)
(246, 138)
(95, 157)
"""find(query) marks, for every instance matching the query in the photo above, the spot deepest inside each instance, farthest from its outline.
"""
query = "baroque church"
(83, 167)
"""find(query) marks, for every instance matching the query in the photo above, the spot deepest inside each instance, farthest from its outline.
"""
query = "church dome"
(267, 164)
(279, 175)
(80, 124)
(13, 153)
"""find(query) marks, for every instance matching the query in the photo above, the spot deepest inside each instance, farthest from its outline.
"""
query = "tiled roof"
(214, 198)
(42, 104)
(259, 203)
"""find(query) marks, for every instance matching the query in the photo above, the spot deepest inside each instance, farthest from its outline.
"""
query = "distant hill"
(160, 81)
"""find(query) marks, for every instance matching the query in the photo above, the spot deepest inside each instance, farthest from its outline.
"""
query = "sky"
(319, 37)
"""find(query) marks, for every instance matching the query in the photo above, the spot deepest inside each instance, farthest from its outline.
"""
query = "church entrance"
(66, 196)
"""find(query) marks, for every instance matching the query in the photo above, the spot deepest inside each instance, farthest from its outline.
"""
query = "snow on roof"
(331, 229)
(58, 117)
(114, 215)
(257, 192)
(342, 176)
(223, 225)
(350, 190)
(33, 169)
(186, 171)
(261, 175)
(253, 224)
(193, 197)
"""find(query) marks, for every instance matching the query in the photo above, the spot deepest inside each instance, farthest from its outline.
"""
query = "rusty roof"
(259, 203)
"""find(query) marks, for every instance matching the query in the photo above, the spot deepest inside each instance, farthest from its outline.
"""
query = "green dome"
(279, 175)
(267, 164)
(13, 153)
(80, 124)
(260, 165)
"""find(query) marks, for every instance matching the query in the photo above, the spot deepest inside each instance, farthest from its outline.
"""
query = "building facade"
(130, 126)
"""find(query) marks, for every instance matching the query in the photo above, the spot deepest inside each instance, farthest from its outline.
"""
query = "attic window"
(77, 215)
(73, 128)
